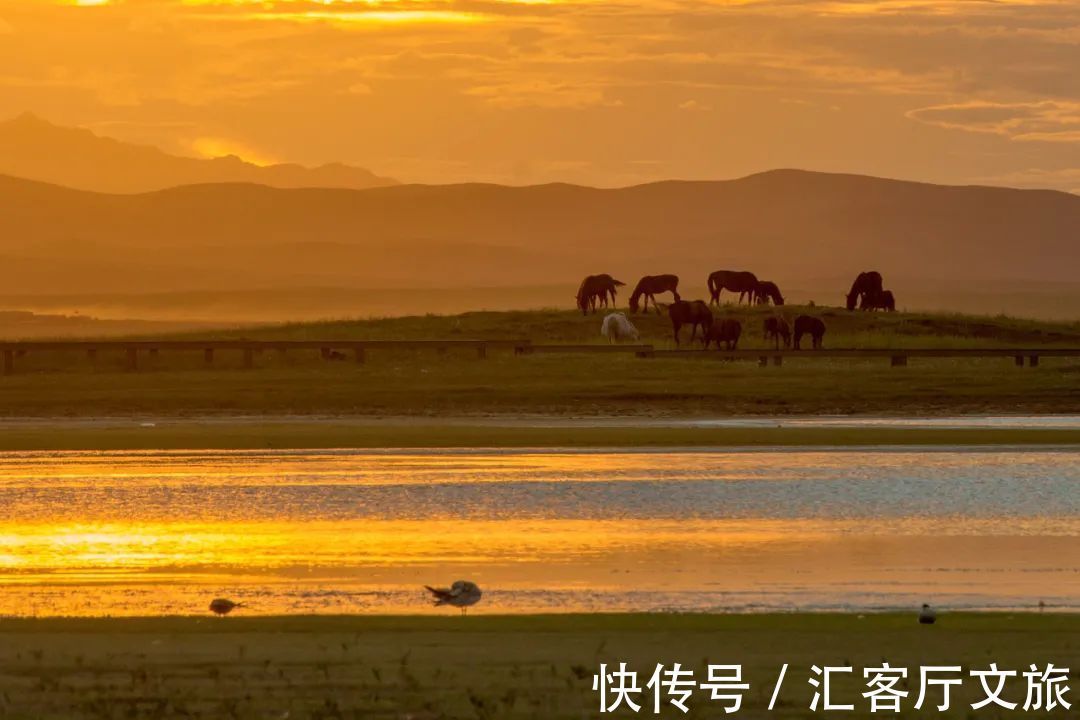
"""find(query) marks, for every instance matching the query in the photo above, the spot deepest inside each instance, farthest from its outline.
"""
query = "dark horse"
(866, 282)
(743, 283)
(692, 312)
(596, 288)
(880, 300)
(651, 285)
(812, 326)
(765, 291)
(725, 331)
(776, 329)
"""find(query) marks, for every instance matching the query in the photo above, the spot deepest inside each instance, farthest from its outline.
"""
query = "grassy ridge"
(423, 384)
(844, 329)
(485, 667)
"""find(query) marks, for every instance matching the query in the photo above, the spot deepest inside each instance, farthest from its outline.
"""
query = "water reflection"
(145, 533)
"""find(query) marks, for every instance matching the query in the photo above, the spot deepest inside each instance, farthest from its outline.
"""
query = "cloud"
(1045, 121)
(468, 83)
(543, 94)
(219, 147)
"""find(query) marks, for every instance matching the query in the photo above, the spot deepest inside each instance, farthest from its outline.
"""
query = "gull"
(461, 594)
(927, 615)
(222, 606)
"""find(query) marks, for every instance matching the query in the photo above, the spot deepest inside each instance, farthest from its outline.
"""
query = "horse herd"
(595, 291)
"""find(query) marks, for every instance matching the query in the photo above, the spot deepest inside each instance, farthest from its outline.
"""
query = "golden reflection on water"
(559, 556)
(81, 555)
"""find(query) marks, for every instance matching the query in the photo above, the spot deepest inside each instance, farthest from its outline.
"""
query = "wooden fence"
(133, 350)
(898, 357)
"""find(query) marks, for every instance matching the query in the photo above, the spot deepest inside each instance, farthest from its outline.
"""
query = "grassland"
(845, 329)
(487, 667)
(422, 384)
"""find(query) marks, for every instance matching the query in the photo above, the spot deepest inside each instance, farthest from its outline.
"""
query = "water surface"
(340, 531)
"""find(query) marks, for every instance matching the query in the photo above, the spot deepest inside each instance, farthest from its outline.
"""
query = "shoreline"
(564, 622)
(420, 433)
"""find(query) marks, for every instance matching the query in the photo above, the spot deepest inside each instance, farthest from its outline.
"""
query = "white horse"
(616, 328)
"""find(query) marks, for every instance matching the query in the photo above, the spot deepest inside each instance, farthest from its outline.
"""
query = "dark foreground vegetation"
(491, 667)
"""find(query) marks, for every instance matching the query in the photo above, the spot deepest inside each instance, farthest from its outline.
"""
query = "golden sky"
(606, 92)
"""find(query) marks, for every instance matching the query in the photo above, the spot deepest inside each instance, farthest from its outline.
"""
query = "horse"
(764, 291)
(777, 329)
(806, 325)
(651, 285)
(594, 288)
(726, 331)
(741, 282)
(880, 300)
(616, 327)
(692, 312)
(866, 282)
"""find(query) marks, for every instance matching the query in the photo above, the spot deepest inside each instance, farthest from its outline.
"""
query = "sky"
(600, 92)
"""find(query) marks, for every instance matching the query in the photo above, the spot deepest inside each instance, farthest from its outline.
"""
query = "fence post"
(132, 359)
(1033, 361)
(208, 356)
(899, 360)
(9, 362)
(249, 358)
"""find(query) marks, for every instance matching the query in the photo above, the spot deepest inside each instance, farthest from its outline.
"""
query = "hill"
(792, 226)
(31, 147)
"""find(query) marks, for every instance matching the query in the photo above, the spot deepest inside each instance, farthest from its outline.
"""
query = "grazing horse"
(651, 285)
(743, 283)
(725, 331)
(765, 291)
(815, 327)
(880, 300)
(595, 288)
(776, 329)
(692, 312)
(616, 327)
(866, 282)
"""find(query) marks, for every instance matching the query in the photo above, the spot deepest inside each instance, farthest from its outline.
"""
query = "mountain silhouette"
(789, 226)
(33, 148)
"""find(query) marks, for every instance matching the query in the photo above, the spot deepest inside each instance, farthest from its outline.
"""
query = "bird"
(461, 594)
(223, 606)
(927, 616)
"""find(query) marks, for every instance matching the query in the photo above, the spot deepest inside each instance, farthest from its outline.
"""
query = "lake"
(149, 533)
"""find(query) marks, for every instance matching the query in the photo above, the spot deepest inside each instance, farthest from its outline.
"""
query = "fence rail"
(133, 350)
(896, 356)
(329, 349)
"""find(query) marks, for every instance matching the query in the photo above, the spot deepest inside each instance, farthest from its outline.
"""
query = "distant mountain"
(34, 148)
(790, 226)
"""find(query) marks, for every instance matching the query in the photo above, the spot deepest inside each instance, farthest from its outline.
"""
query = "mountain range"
(34, 148)
(799, 228)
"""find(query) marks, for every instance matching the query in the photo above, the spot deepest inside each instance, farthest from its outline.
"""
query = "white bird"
(927, 616)
(616, 327)
(461, 594)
